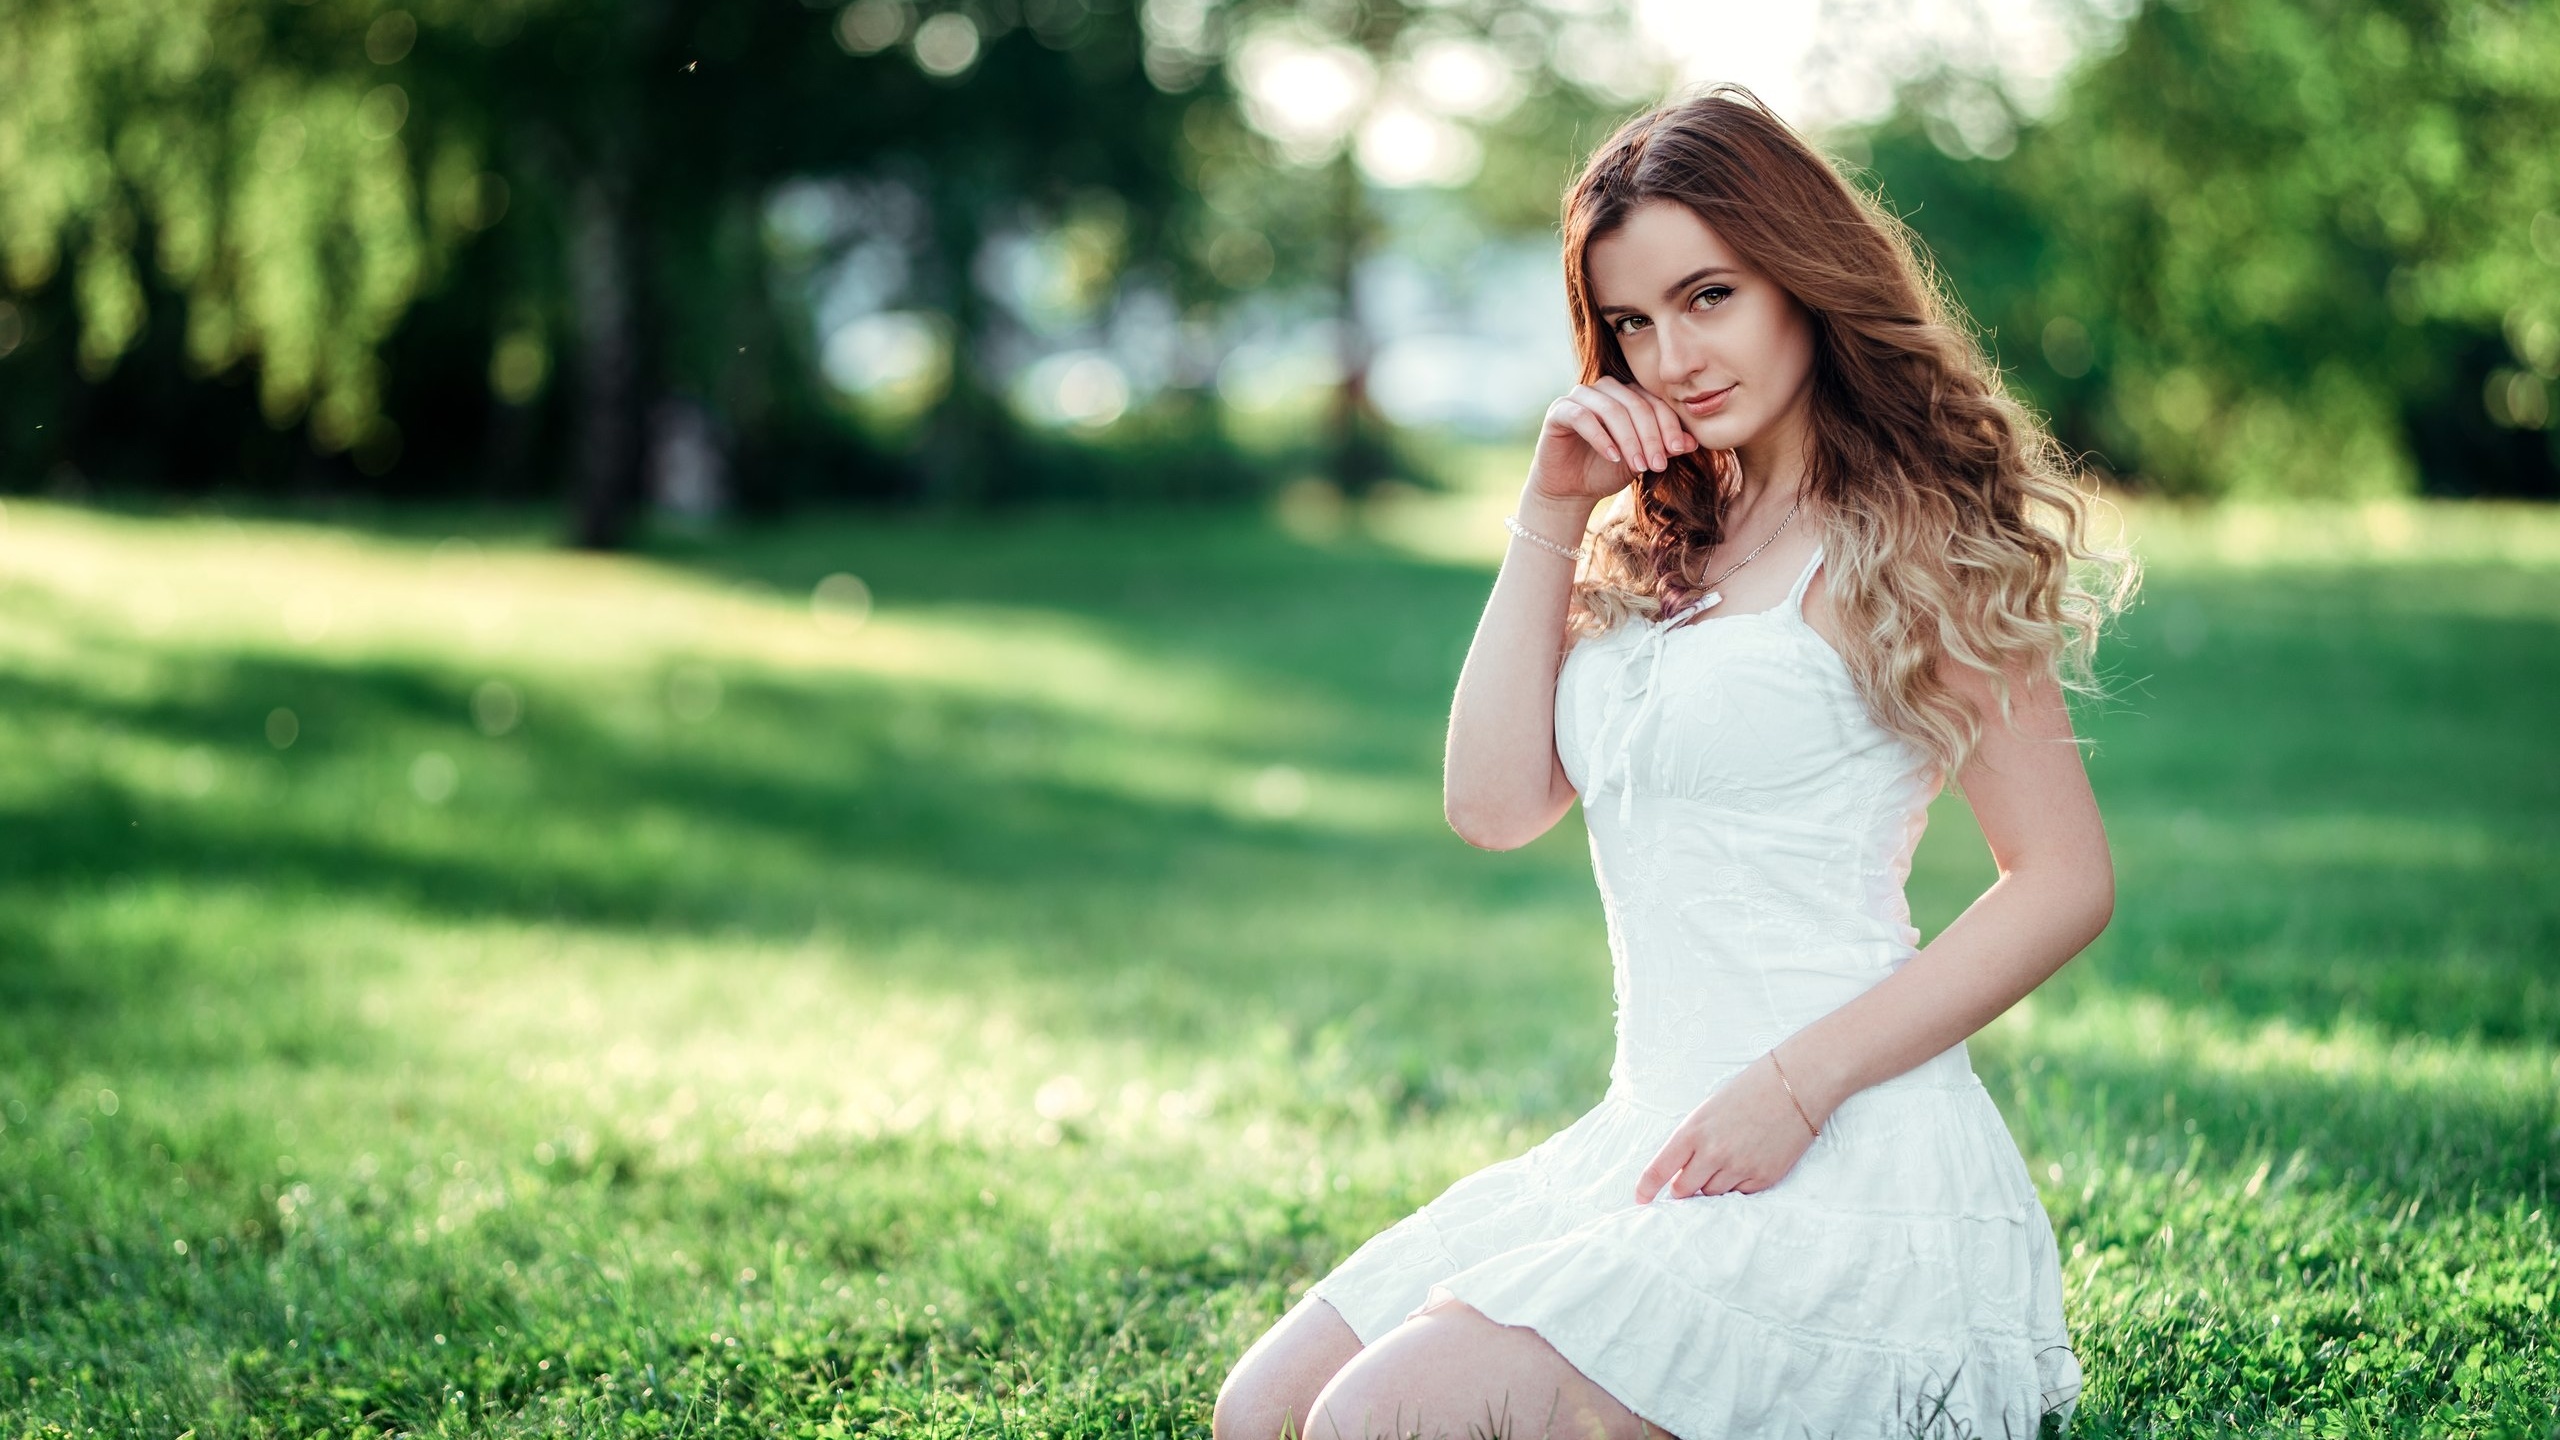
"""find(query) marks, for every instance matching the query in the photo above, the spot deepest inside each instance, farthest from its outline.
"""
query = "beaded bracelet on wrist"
(1512, 523)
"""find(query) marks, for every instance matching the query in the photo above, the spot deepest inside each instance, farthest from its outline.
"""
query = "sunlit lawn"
(981, 1015)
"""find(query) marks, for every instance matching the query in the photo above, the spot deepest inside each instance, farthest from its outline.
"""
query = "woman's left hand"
(1746, 1136)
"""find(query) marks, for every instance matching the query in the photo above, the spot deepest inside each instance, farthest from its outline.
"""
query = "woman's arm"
(2055, 892)
(1502, 783)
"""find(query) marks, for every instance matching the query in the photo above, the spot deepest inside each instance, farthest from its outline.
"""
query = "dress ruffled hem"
(1729, 1371)
(1858, 1296)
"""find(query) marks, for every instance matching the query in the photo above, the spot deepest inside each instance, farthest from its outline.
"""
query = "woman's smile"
(1707, 402)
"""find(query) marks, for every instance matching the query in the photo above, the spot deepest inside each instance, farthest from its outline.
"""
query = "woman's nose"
(1680, 355)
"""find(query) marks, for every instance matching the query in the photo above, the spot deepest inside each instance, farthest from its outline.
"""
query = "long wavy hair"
(1957, 532)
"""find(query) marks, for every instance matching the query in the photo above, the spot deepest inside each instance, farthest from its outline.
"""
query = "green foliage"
(261, 159)
(482, 244)
(491, 236)
(2275, 247)
(623, 999)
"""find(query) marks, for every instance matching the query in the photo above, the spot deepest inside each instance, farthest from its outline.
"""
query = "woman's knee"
(1268, 1393)
(1451, 1371)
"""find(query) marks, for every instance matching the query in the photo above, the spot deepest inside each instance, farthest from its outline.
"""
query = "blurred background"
(699, 258)
(723, 717)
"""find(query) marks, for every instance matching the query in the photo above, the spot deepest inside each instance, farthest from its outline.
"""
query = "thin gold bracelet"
(1791, 1095)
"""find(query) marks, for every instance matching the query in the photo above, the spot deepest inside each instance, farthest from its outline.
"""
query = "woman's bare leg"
(1450, 1371)
(1279, 1377)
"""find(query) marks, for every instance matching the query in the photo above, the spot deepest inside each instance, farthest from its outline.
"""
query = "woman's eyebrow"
(1672, 292)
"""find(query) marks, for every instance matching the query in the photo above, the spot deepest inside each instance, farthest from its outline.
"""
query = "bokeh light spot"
(433, 777)
(870, 26)
(384, 111)
(1402, 144)
(2517, 399)
(1304, 94)
(946, 44)
(2546, 236)
(496, 707)
(897, 359)
(389, 39)
(517, 367)
(1462, 76)
(840, 603)
(2067, 347)
(283, 728)
(1280, 791)
(1240, 258)
(1084, 388)
(1062, 1097)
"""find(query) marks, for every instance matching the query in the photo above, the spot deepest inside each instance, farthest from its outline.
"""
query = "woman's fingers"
(1657, 420)
(1664, 435)
(1671, 1187)
(1628, 414)
(1631, 427)
(1675, 432)
(1582, 422)
(1628, 425)
(1664, 1169)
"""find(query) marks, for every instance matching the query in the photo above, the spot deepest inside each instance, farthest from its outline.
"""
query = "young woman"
(1844, 572)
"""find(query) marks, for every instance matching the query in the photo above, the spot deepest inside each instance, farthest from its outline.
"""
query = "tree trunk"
(970, 452)
(608, 430)
(1360, 457)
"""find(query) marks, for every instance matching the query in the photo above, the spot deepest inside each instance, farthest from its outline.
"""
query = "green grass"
(984, 1018)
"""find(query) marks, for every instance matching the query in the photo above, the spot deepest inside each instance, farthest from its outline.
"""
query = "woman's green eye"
(1706, 299)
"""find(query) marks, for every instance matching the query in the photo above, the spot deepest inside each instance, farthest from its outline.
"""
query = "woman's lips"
(1708, 402)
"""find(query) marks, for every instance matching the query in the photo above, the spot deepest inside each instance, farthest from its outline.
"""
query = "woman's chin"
(1717, 434)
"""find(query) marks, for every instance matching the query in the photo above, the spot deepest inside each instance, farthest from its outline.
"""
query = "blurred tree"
(258, 160)
(514, 238)
(1495, 100)
(695, 110)
(2270, 247)
(381, 211)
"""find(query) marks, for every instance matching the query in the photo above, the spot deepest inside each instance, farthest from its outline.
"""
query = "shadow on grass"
(2331, 796)
(896, 811)
(902, 814)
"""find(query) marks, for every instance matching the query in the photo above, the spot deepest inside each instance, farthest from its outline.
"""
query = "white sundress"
(1751, 828)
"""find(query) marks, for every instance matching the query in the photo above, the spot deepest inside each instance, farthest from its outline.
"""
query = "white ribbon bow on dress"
(1648, 653)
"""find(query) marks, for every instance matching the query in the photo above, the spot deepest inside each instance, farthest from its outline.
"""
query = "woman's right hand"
(1598, 436)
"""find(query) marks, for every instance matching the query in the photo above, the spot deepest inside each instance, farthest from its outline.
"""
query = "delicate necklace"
(1713, 595)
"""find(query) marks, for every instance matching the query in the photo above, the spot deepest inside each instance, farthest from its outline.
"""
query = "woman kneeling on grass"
(1838, 571)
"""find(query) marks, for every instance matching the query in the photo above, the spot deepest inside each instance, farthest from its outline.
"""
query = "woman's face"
(1730, 350)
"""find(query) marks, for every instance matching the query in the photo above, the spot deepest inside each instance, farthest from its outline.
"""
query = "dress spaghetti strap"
(1795, 595)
